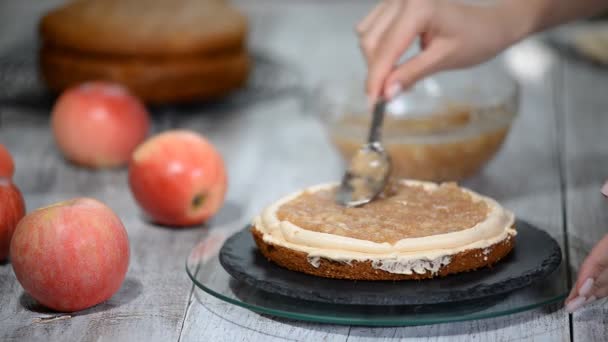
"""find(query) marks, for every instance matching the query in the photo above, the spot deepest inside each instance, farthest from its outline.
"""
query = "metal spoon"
(369, 169)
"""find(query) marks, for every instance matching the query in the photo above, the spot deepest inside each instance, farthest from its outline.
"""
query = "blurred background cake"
(163, 51)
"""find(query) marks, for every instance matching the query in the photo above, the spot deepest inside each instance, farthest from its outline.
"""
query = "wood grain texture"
(153, 299)
(539, 325)
(585, 158)
(225, 322)
(276, 146)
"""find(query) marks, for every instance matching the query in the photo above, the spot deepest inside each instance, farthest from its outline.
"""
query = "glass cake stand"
(204, 268)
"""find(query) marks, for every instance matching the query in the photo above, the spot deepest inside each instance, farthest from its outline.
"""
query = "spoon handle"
(377, 118)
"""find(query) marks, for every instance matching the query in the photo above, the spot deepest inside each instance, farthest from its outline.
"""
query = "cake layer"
(405, 256)
(466, 261)
(145, 28)
(153, 80)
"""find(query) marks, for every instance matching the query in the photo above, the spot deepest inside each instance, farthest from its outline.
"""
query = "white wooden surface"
(274, 147)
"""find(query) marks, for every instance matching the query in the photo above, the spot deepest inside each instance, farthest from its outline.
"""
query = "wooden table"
(549, 172)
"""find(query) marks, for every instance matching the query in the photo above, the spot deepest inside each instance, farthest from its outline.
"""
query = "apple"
(99, 124)
(71, 255)
(12, 206)
(12, 209)
(178, 178)
(7, 167)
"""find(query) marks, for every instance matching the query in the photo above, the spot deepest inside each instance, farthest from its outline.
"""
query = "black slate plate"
(535, 256)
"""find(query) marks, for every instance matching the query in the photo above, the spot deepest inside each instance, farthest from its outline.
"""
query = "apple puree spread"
(446, 146)
(408, 211)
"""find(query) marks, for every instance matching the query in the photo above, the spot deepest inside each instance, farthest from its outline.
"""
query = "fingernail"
(605, 189)
(586, 287)
(393, 90)
(575, 304)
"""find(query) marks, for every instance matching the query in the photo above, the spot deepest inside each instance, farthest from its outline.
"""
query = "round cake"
(163, 51)
(414, 230)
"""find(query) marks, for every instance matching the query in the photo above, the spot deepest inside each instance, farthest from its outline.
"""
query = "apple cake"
(163, 51)
(414, 230)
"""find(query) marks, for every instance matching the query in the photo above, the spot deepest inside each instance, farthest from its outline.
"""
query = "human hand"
(452, 35)
(592, 281)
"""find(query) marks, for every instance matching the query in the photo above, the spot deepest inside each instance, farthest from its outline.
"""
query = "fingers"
(416, 68)
(583, 289)
(592, 281)
(407, 20)
(605, 189)
(595, 263)
(373, 30)
(366, 23)
(600, 286)
(391, 46)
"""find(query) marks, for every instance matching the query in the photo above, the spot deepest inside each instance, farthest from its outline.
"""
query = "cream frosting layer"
(406, 256)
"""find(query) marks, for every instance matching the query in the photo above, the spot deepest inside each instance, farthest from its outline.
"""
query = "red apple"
(71, 255)
(7, 167)
(12, 206)
(12, 209)
(178, 178)
(99, 124)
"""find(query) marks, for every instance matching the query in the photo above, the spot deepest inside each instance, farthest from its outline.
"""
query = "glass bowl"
(446, 128)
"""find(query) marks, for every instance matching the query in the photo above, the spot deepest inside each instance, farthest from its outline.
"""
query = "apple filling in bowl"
(447, 146)
(444, 128)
